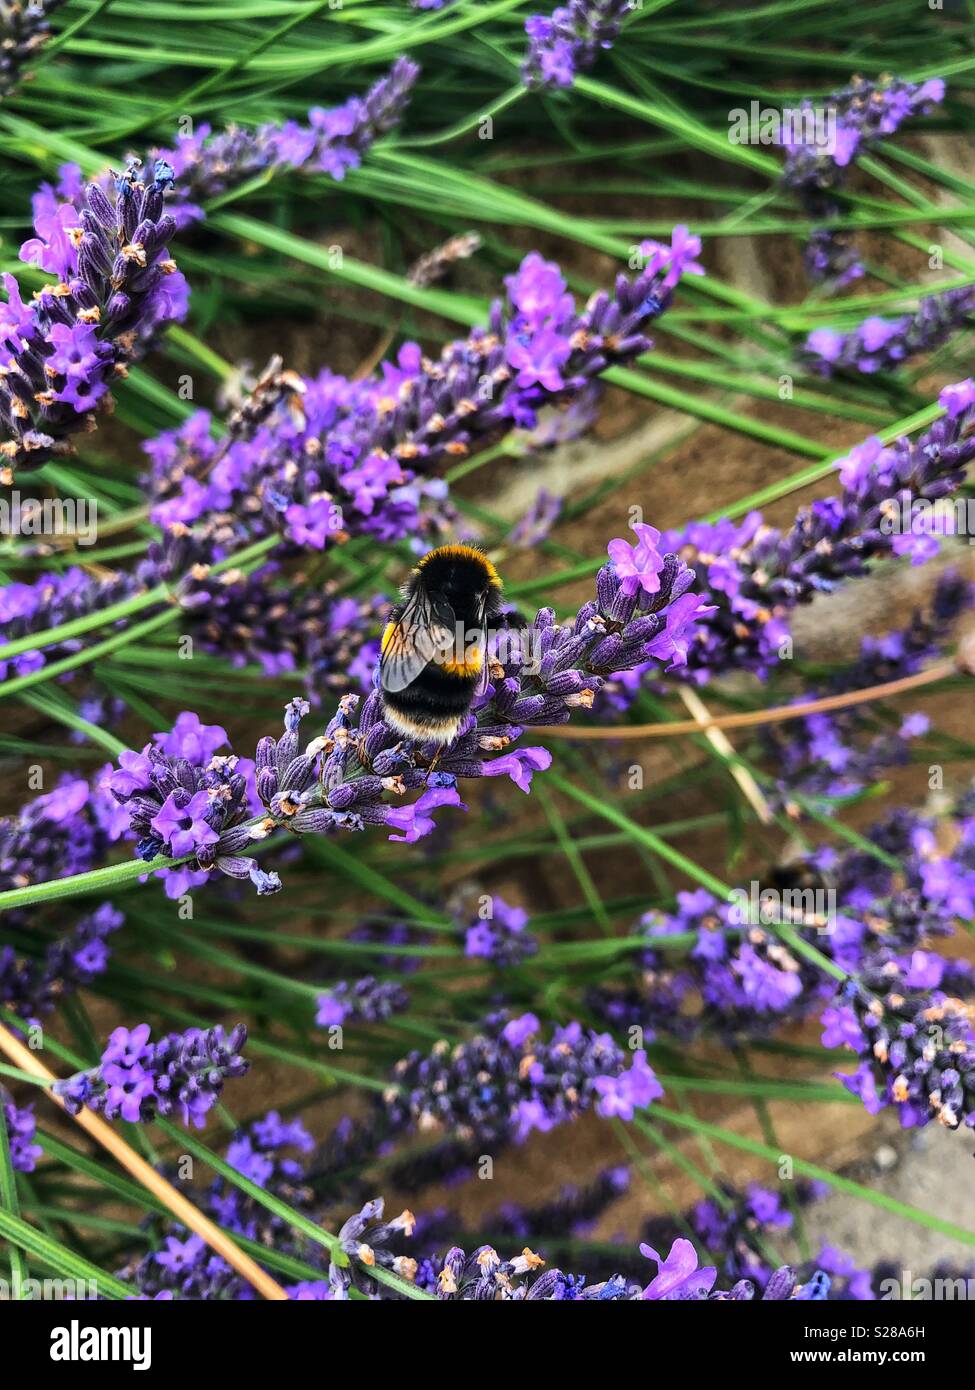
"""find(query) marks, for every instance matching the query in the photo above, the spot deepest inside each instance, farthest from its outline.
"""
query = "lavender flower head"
(136, 1079)
(60, 353)
(367, 1000)
(506, 1081)
(332, 142)
(24, 27)
(337, 458)
(185, 801)
(500, 937)
(864, 113)
(21, 1127)
(916, 1050)
(756, 574)
(35, 987)
(880, 345)
(569, 41)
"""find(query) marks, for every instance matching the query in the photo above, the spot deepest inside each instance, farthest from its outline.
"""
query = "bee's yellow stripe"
(388, 631)
(471, 667)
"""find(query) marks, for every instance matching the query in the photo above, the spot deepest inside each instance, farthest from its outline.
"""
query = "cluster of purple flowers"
(737, 1228)
(484, 1276)
(570, 39)
(64, 595)
(317, 461)
(185, 801)
(272, 1153)
(206, 163)
(281, 1158)
(739, 978)
(332, 142)
(285, 626)
(61, 832)
(501, 937)
(136, 1079)
(366, 1000)
(36, 986)
(21, 1128)
(860, 115)
(827, 756)
(880, 345)
(755, 574)
(60, 353)
(506, 1081)
(24, 27)
(339, 458)
(916, 1049)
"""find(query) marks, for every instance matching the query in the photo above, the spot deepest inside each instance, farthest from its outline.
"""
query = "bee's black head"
(465, 577)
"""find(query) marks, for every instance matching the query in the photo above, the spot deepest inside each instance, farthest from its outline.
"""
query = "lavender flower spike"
(522, 1082)
(23, 31)
(21, 1127)
(916, 1050)
(878, 345)
(864, 113)
(60, 353)
(569, 41)
(756, 574)
(137, 1079)
(332, 142)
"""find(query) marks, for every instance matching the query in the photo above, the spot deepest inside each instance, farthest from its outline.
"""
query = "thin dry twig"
(778, 714)
(722, 745)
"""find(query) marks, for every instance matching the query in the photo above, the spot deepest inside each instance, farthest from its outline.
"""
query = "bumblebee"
(434, 648)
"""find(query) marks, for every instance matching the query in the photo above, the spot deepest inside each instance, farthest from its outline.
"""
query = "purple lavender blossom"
(366, 1000)
(24, 28)
(21, 1127)
(756, 574)
(839, 754)
(916, 1049)
(367, 452)
(570, 40)
(63, 832)
(182, 1073)
(739, 979)
(365, 1237)
(332, 142)
(880, 345)
(37, 986)
(523, 1083)
(117, 284)
(484, 1276)
(501, 938)
(865, 112)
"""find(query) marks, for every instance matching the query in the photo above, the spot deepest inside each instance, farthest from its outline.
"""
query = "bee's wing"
(423, 629)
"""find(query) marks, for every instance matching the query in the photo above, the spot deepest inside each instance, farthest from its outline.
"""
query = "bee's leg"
(433, 766)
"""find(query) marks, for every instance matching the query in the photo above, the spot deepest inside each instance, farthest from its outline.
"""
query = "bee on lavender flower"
(434, 661)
